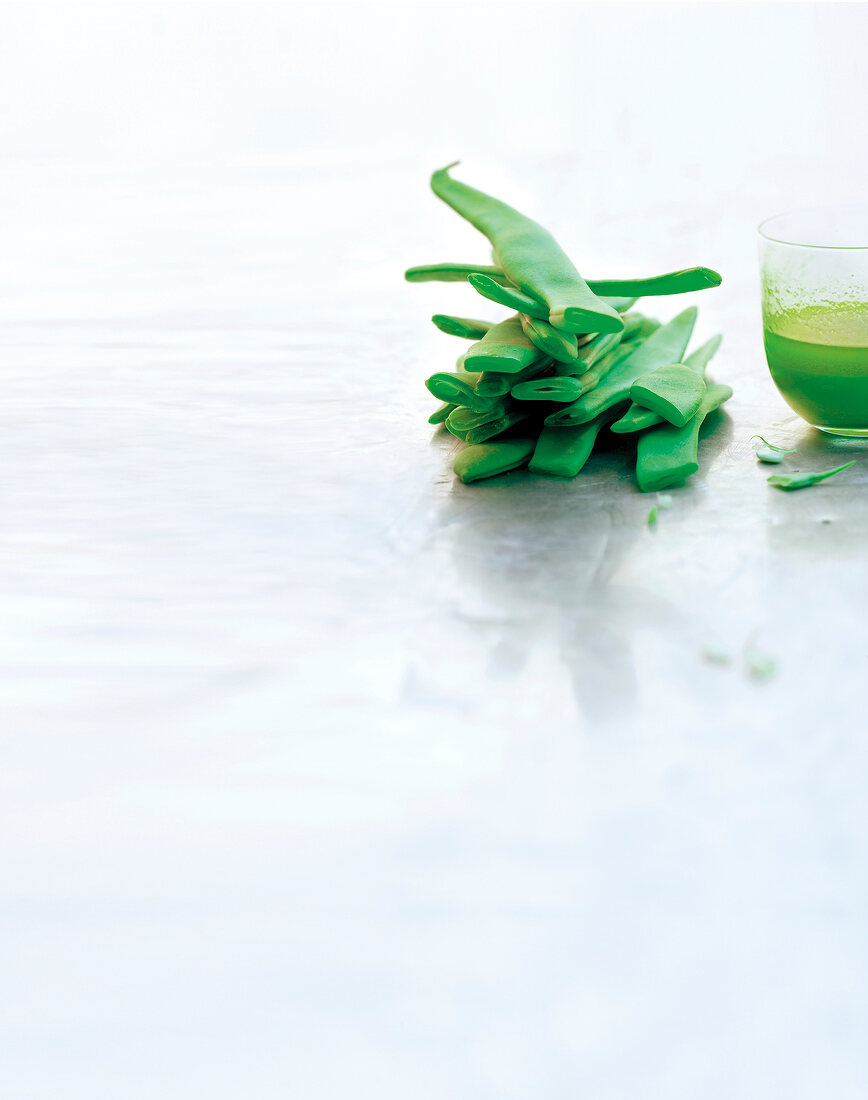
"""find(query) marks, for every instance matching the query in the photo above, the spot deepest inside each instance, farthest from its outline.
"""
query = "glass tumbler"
(814, 277)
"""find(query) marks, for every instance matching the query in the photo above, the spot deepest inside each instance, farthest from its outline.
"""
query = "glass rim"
(763, 226)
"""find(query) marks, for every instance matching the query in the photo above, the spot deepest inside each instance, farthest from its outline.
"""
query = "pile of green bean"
(536, 388)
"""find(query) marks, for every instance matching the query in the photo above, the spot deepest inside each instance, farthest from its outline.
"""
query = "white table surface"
(323, 775)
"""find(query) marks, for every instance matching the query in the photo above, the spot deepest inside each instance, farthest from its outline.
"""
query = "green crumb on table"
(760, 666)
(789, 482)
(715, 654)
(652, 515)
(572, 362)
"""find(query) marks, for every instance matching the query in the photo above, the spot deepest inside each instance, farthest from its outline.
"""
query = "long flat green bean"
(666, 345)
(562, 452)
(509, 419)
(638, 327)
(637, 419)
(673, 282)
(667, 456)
(449, 273)
(458, 388)
(503, 348)
(467, 327)
(489, 459)
(505, 294)
(439, 416)
(496, 383)
(530, 258)
(562, 346)
(464, 419)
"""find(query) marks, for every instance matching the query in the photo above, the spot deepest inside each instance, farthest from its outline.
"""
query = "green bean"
(561, 388)
(562, 418)
(496, 383)
(530, 258)
(770, 453)
(449, 273)
(666, 345)
(591, 353)
(562, 452)
(464, 419)
(509, 419)
(458, 388)
(637, 419)
(674, 282)
(489, 459)
(439, 415)
(667, 455)
(468, 327)
(502, 292)
(638, 327)
(503, 348)
(505, 295)
(674, 392)
(562, 346)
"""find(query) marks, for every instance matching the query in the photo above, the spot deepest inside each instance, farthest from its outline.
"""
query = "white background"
(320, 776)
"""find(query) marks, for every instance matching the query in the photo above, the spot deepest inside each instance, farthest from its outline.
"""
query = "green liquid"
(818, 359)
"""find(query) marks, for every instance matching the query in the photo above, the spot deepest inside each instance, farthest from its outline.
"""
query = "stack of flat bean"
(536, 388)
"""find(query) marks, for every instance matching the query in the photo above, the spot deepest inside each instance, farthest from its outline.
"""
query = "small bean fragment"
(789, 482)
(770, 453)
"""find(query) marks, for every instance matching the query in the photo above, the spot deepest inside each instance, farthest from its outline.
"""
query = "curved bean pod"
(562, 452)
(489, 459)
(673, 282)
(441, 415)
(449, 273)
(468, 327)
(530, 258)
(667, 456)
(496, 383)
(503, 348)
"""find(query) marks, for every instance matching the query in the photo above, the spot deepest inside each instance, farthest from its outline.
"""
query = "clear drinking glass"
(814, 275)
